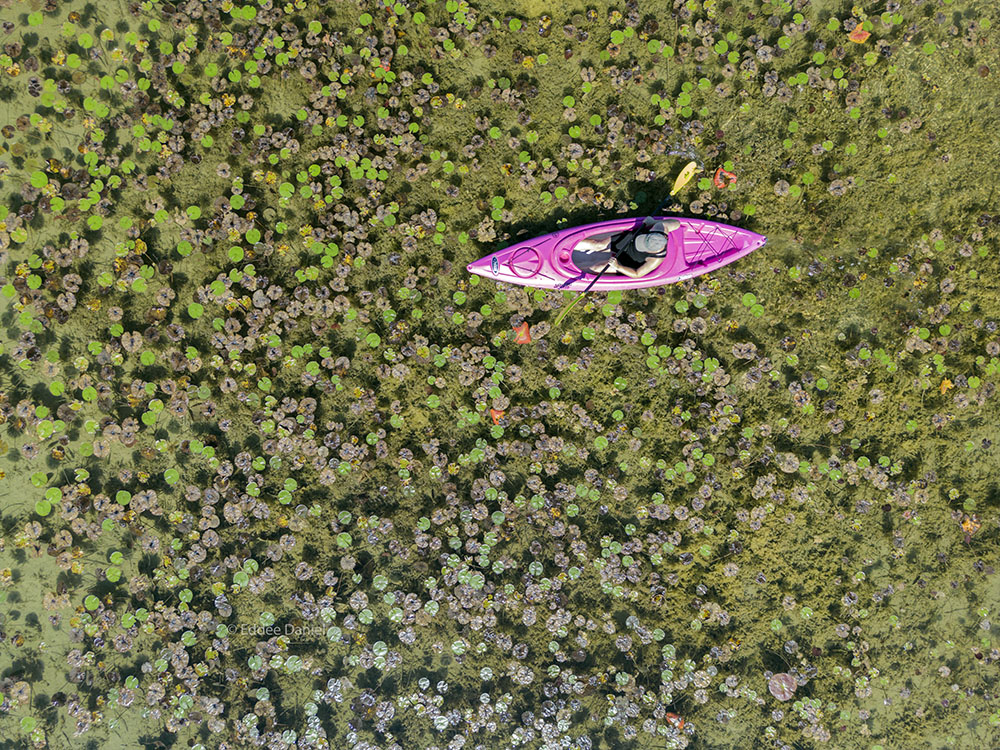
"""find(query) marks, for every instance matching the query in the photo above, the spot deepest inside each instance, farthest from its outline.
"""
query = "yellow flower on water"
(946, 385)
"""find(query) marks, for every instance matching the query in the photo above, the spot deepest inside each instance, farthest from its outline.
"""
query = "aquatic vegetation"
(277, 472)
(782, 686)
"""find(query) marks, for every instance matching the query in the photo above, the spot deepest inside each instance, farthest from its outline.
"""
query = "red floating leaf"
(859, 35)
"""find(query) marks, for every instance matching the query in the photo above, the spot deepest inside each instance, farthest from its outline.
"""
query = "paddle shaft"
(620, 246)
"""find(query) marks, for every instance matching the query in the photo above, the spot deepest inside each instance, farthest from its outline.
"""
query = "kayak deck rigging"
(705, 251)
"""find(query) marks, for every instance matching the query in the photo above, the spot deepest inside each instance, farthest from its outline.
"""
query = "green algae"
(786, 467)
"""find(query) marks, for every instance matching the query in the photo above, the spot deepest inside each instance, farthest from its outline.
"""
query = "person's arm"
(625, 270)
(647, 267)
(614, 267)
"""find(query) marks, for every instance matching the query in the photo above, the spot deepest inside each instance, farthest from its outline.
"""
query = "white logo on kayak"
(494, 265)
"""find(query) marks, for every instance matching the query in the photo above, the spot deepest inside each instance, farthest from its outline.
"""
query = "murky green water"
(277, 473)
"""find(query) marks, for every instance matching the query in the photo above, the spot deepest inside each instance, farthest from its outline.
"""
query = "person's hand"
(623, 270)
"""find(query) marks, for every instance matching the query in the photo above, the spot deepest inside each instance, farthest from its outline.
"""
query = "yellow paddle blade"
(567, 309)
(685, 176)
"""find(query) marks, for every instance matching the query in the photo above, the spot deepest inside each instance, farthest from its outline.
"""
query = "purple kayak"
(549, 261)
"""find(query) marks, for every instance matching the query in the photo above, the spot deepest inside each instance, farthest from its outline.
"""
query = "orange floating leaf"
(859, 35)
(523, 332)
(497, 415)
(722, 178)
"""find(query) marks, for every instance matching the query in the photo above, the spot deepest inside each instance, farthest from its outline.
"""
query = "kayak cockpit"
(588, 254)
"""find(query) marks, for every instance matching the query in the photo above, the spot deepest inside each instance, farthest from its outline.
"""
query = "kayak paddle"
(620, 245)
(685, 177)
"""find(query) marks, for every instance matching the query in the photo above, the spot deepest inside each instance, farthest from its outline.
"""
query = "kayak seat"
(587, 259)
(591, 253)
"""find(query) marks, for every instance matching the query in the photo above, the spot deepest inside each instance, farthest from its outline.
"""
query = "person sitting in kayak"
(641, 257)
